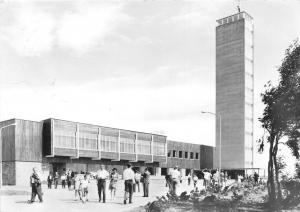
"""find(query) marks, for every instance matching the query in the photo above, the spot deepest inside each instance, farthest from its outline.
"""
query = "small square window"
(191, 155)
(186, 155)
(180, 154)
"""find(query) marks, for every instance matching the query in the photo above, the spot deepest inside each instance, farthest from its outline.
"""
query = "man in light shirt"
(175, 177)
(128, 176)
(207, 178)
(102, 175)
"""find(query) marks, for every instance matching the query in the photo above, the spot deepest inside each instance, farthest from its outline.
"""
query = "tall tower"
(234, 91)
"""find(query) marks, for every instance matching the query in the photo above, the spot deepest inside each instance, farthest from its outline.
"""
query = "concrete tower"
(234, 91)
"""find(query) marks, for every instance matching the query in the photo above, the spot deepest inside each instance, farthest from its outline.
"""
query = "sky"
(144, 65)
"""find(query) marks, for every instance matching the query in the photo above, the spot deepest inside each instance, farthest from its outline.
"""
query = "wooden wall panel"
(7, 149)
(145, 158)
(157, 158)
(65, 152)
(28, 140)
(110, 155)
(127, 156)
(88, 153)
(206, 157)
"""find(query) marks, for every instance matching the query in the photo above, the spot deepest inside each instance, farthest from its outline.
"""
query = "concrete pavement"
(63, 200)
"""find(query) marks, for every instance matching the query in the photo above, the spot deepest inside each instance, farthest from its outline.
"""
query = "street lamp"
(220, 137)
(1, 128)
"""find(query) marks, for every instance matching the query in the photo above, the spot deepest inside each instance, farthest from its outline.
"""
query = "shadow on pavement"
(20, 202)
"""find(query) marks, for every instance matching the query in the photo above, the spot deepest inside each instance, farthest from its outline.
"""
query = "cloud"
(88, 25)
(30, 32)
(32, 29)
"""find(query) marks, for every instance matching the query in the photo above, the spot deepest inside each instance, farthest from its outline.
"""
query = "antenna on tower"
(238, 6)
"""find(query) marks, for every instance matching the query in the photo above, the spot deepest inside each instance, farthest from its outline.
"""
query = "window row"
(108, 144)
(182, 154)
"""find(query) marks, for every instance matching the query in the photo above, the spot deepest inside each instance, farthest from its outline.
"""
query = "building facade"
(58, 145)
(234, 91)
(188, 157)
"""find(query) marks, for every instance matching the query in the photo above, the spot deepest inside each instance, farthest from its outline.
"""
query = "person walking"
(146, 181)
(63, 180)
(77, 188)
(216, 178)
(195, 179)
(128, 176)
(56, 176)
(84, 184)
(49, 180)
(189, 177)
(207, 178)
(175, 176)
(36, 186)
(137, 178)
(69, 179)
(256, 176)
(102, 175)
(113, 183)
(169, 183)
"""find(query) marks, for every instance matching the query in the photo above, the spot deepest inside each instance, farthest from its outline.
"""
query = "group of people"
(66, 178)
(81, 182)
(174, 178)
(132, 180)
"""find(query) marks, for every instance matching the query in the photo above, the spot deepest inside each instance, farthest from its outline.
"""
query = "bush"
(291, 192)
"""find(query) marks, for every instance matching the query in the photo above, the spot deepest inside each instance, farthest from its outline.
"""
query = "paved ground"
(14, 199)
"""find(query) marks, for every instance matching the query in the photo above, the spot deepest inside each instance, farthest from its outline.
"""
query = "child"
(77, 187)
(84, 188)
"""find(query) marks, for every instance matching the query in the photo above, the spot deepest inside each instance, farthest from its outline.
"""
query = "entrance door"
(59, 167)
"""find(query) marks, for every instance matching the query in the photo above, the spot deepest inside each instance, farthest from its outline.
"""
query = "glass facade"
(109, 143)
(88, 141)
(64, 138)
(143, 147)
(127, 145)
(89, 137)
(159, 148)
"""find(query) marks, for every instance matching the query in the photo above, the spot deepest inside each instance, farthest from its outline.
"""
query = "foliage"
(291, 190)
(231, 197)
(281, 115)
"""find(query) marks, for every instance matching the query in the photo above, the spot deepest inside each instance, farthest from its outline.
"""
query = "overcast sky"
(141, 65)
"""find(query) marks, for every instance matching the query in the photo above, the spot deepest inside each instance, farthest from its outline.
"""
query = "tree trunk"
(271, 185)
(279, 194)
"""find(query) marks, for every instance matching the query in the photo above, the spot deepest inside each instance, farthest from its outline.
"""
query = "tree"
(281, 115)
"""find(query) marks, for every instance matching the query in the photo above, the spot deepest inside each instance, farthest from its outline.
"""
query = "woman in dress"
(113, 183)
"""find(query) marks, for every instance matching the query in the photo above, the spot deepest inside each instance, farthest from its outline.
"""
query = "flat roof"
(234, 17)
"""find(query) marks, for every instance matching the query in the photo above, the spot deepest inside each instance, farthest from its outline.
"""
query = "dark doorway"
(187, 172)
(151, 170)
(136, 168)
(59, 167)
(164, 171)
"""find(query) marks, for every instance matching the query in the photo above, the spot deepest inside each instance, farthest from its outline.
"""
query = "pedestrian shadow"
(117, 203)
(22, 202)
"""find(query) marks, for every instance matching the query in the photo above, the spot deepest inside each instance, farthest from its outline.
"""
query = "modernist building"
(234, 91)
(57, 145)
(188, 157)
